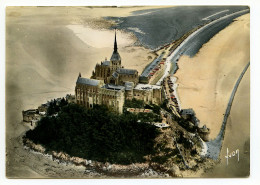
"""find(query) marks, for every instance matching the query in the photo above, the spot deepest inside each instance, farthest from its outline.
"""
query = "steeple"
(115, 44)
(115, 60)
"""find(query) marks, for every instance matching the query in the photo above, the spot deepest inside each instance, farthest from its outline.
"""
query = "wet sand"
(205, 84)
(43, 59)
(206, 80)
(237, 136)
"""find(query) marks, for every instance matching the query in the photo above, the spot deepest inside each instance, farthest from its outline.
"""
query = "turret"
(204, 133)
(79, 75)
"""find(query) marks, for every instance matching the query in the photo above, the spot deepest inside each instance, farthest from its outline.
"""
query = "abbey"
(110, 84)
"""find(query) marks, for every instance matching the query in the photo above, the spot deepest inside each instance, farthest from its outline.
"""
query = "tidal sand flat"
(207, 80)
(237, 136)
(47, 47)
(43, 59)
(160, 26)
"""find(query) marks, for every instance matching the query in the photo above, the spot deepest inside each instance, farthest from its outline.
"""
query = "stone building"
(113, 96)
(111, 71)
(90, 91)
(31, 115)
(86, 91)
(115, 60)
(121, 75)
(148, 93)
(204, 133)
(102, 71)
(43, 107)
(111, 84)
(129, 90)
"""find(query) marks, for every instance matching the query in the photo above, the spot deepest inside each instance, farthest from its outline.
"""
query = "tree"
(96, 134)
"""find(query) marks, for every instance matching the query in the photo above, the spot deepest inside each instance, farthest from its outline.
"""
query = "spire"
(115, 44)
(115, 55)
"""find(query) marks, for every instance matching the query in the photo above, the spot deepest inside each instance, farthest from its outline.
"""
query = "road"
(156, 27)
(197, 38)
(171, 94)
(214, 146)
(211, 148)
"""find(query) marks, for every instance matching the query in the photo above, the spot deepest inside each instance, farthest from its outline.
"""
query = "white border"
(255, 93)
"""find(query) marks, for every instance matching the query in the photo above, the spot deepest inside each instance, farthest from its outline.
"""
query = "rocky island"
(114, 120)
(124, 116)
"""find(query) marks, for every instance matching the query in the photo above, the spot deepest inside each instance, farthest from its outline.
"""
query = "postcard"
(140, 92)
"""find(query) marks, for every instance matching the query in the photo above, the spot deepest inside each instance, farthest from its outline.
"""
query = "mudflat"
(44, 56)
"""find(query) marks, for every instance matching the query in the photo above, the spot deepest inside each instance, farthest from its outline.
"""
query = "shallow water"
(156, 27)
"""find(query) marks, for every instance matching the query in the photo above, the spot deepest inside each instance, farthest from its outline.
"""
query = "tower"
(115, 58)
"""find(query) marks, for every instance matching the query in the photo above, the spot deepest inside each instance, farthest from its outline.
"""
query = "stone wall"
(87, 95)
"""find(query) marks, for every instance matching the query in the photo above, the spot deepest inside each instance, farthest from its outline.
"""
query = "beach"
(205, 84)
(206, 80)
(237, 136)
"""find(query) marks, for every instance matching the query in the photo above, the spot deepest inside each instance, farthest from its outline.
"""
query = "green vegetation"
(55, 107)
(156, 109)
(187, 124)
(134, 103)
(142, 116)
(149, 117)
(96, 134)
(164, 105)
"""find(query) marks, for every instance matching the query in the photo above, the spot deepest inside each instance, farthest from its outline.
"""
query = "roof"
(115, 74)
(113, 87)
(105, 63)
(115, 57)
(129, 86)
(126, 71)
(187, 111)
(204, 129)
(147, 87)
(161, 125)
(30, 111)
(87, 81)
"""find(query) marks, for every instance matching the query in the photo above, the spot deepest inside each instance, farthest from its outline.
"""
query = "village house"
(31, 116)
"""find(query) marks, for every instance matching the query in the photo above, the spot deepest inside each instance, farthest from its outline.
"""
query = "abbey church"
(112, 71)
(110, 84)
